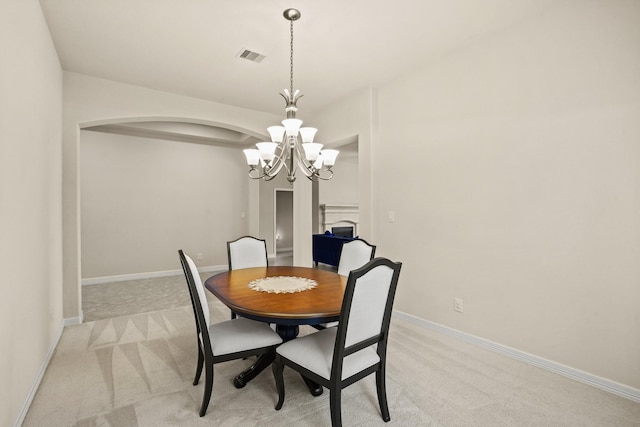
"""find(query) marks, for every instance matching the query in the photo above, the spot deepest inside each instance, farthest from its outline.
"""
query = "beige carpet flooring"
(117, 299)
(137, 369)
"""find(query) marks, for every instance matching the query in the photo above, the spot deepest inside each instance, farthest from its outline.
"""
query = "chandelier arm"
(280, 166)
(281, 161)
(274, 170)
(307, 173)
(302, 160)
(325, 178)
(267, 172)
(279, 158)
(261, 175)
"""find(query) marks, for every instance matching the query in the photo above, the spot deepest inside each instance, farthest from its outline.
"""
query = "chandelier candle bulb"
(312, 150)
(307, 134)
(253, 156)
(329, 157)
(267, 150)
(276, 133)
(292, 126)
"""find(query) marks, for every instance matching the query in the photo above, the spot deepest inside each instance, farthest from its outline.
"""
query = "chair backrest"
(355, 254)
(366, 310)
(247, 252)
(187, 276)
(198, 297)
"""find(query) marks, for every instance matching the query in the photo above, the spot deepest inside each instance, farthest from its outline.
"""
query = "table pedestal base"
(287, 333)
(314, 388)
(250, 373)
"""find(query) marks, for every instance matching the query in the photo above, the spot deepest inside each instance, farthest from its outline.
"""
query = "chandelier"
(291, 145)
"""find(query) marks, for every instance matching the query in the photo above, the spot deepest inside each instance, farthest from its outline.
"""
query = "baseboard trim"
(72, 321)
(610, 386)
(147, 275)
(36, 383)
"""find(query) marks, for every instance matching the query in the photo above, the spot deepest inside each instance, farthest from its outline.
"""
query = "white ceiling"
(190, 47)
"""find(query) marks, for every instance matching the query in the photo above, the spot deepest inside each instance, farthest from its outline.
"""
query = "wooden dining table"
(287, 311)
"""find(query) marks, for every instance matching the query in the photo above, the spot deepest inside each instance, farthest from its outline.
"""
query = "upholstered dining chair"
(355, 254)
(247, 252)
(338, 357)
(220, 342)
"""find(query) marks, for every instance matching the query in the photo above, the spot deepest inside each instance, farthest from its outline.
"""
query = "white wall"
(356, 119)
(343, 188)
(143, 199)
(30, 202)
(513, 168)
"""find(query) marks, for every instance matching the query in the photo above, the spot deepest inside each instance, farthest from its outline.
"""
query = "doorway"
(283, 222)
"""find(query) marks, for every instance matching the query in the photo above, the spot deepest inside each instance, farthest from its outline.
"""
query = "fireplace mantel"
(339, 216)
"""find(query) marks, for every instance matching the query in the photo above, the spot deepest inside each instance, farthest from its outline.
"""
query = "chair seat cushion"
(241, 334)
(315, 353)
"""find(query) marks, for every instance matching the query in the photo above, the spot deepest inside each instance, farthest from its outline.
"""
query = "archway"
(159, 132)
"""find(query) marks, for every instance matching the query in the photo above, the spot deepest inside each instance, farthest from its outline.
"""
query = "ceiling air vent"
(251, 56)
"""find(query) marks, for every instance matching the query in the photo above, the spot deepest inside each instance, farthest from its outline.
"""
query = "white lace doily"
(282, 284)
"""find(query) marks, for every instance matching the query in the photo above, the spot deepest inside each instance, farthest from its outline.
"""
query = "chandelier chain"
(291, 57)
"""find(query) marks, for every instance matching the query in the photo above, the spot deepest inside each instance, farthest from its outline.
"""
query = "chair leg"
(382, 393)
(278, 369)
(335, 396)
(196, 380)
(208, 385)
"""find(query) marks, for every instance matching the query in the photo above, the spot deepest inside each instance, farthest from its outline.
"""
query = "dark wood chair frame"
(335, 384)
(206, 357)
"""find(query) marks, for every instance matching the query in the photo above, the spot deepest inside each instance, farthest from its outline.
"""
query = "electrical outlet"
(200, 256)
(458, 305)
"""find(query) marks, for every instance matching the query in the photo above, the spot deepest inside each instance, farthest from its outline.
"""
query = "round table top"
(318, 305)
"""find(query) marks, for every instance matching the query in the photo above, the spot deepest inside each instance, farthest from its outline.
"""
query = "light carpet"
(137, 371)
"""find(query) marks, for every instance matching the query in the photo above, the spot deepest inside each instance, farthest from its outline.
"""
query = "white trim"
(148, 275)
(72, 321)
(610, 386)
(36, 383)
